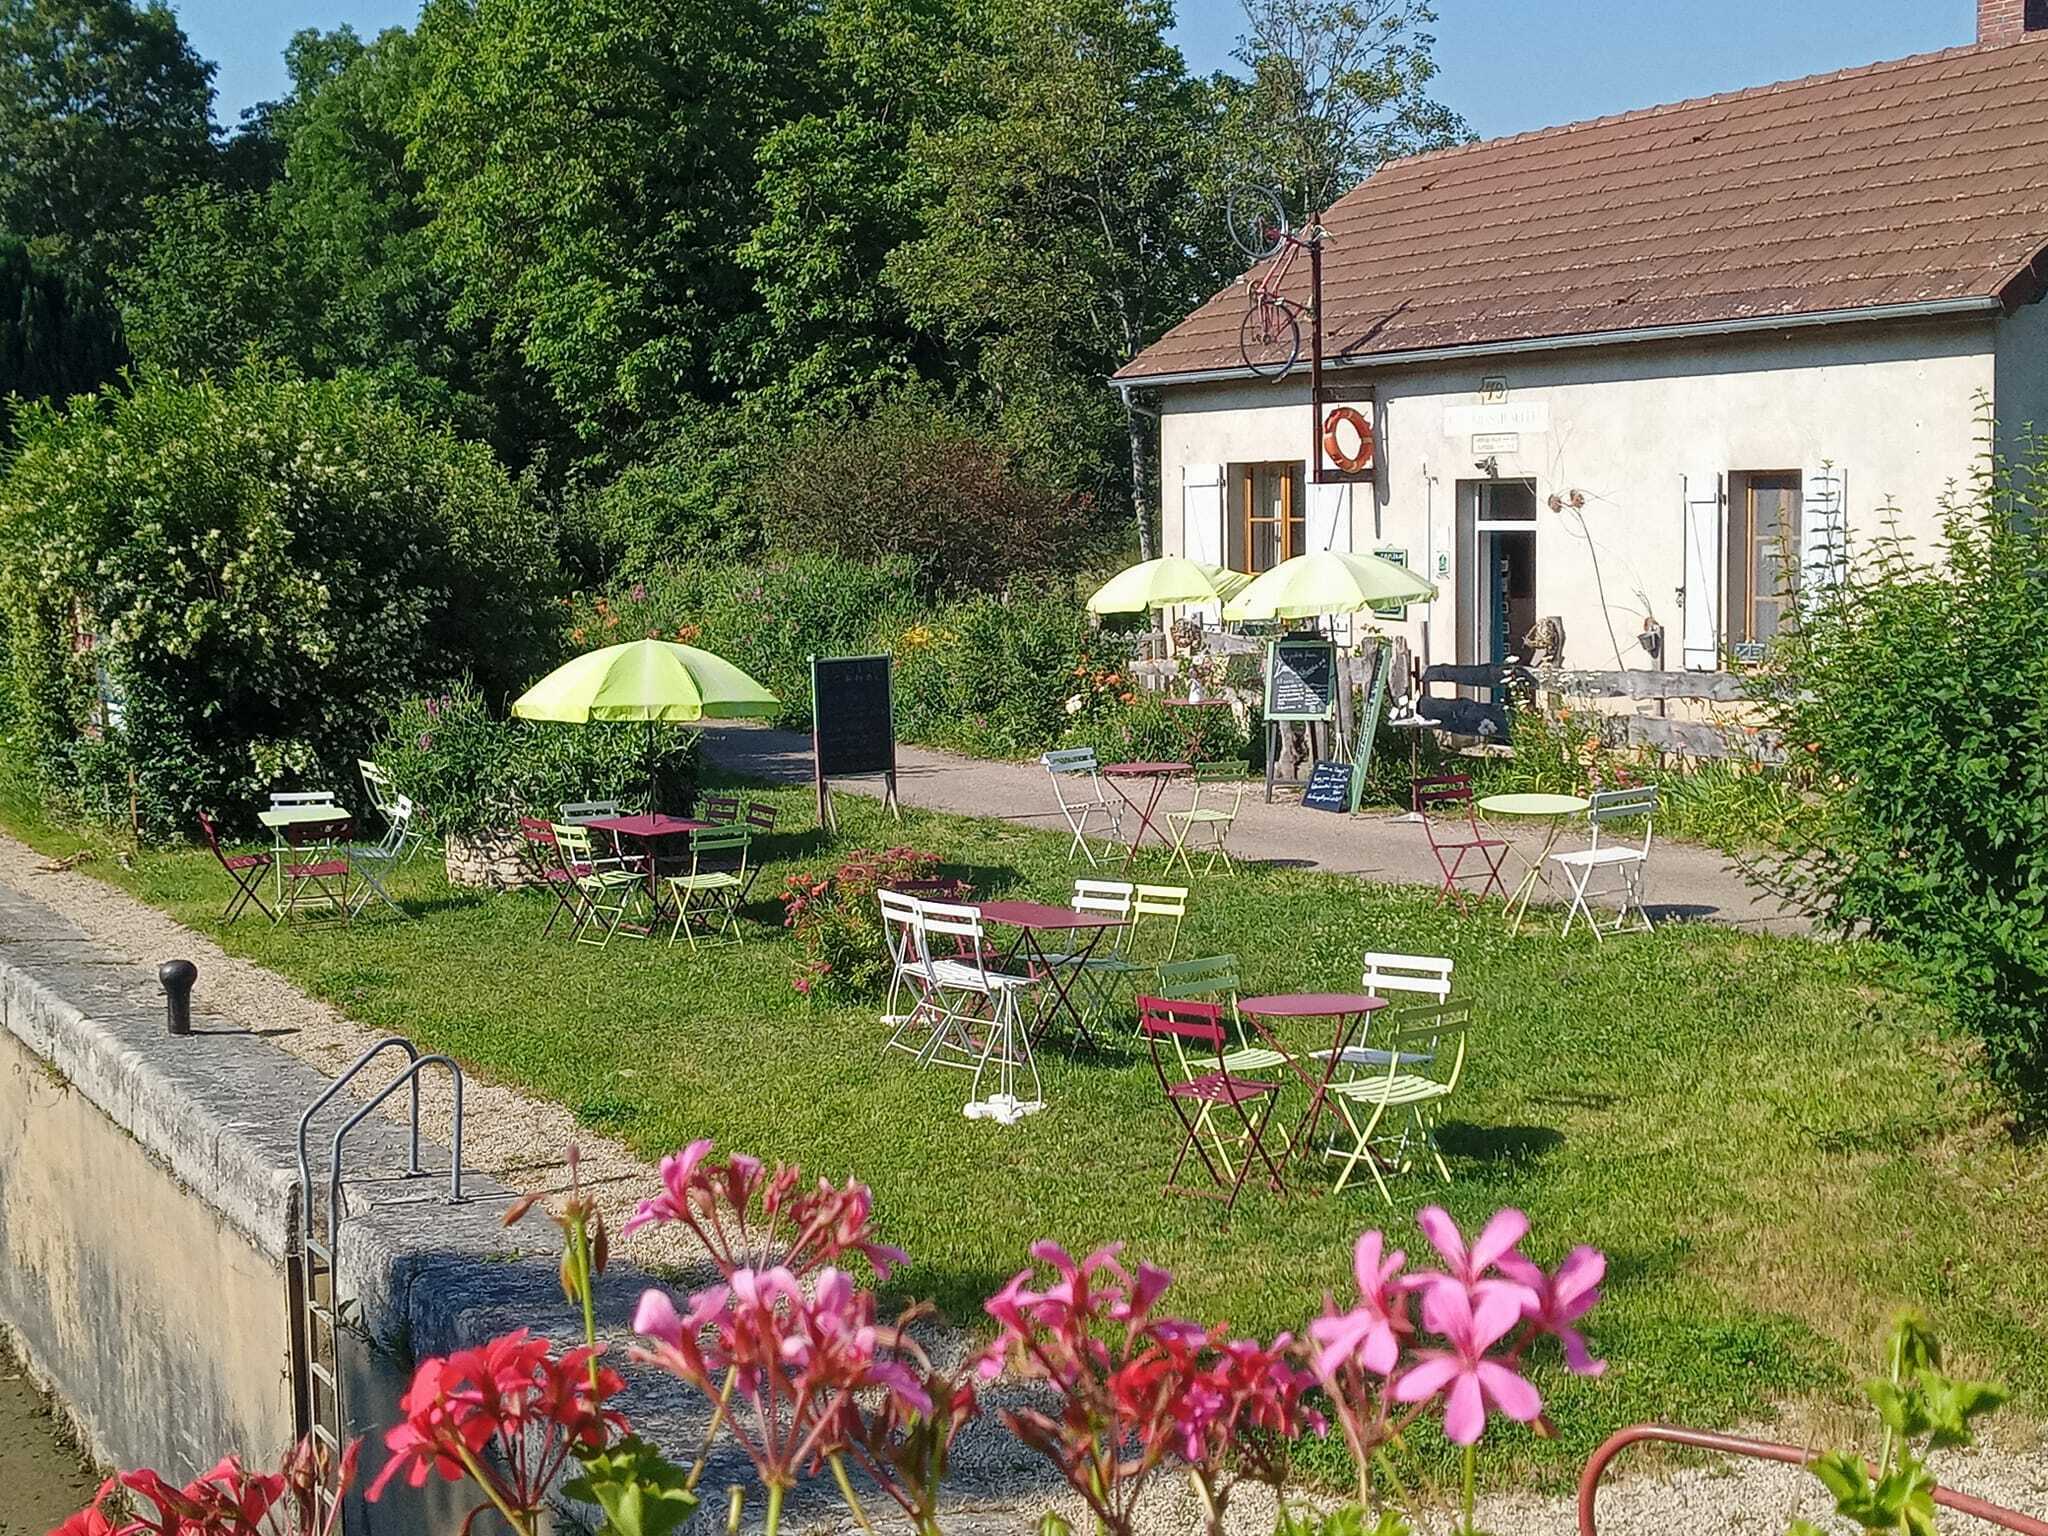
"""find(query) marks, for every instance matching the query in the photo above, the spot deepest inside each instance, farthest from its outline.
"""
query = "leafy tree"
(590, 172)
(1064, 227)
(1337, 88)
(238, 577)
(215, 284)
(56, 339)
(102, 105)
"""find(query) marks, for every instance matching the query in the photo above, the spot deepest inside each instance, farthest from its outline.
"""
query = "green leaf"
(1952, 1404)
(641, 1492)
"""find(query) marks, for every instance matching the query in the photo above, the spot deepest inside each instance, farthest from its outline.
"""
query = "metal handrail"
(1768, 1450)
(409, 1076)
(306, 1120)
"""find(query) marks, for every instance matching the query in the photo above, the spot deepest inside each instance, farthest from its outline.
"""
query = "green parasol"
(1164, 583)
(1328, 581)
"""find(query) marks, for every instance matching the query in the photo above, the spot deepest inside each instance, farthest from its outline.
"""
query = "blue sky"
(1508, 65)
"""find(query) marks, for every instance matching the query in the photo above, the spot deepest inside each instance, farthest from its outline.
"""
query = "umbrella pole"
(651, 808)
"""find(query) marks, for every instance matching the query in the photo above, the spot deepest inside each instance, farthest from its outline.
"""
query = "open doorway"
(1496, 568)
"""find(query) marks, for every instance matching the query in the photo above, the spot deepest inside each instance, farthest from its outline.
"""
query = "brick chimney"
(2007, 21)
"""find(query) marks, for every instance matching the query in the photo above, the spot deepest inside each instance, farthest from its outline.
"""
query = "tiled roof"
(1903, 183)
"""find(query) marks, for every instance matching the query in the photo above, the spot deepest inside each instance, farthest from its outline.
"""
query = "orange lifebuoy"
(1350, 463)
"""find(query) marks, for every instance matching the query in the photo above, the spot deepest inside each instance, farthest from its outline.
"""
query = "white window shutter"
(1823, 527)
(1705, 541)
(1201, 512)
(1329, 518)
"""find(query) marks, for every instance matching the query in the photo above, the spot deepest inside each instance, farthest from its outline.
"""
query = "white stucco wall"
(1893, 408)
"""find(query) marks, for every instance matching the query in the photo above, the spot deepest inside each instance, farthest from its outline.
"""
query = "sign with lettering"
(1496, 442)
(1506, 416)
(1329, 788)
(1391, 610)
(1301, 678)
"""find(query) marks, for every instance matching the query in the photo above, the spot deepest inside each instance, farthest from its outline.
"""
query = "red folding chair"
(1191, 1036)
(544, 866)
(245, 869)
(759, 817)
(316, 876)
(1452, 794)
(719, 810)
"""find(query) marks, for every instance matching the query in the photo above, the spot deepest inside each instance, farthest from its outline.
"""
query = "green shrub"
(1149, 730)
(915, 480)
(768, 618)
(993, 675)
(693, 503)
(239, 578)
(1918, 689)
(469, 771)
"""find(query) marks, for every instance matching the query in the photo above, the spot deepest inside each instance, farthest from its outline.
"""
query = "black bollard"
(177, 977)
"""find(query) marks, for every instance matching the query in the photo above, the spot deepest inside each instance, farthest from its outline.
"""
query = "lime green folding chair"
(1389, 1116)
(707, 899)
(1223, 784)
(609, 890)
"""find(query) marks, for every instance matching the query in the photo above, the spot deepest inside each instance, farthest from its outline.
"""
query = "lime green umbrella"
(1163, 583)
(656, 681)
(651, 680)
(1327, 581)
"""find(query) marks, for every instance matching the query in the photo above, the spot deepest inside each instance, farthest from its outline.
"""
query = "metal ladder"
(316, 1305)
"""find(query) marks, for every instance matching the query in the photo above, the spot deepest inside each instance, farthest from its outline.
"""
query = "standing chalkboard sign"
(853, 726)
(1329, 788)
(1301, 678)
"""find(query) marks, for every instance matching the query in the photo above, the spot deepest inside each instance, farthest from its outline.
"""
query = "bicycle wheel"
(1269, 339)
(1258, 223)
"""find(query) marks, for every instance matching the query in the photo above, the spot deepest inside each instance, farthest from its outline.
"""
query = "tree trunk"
(1141, 504)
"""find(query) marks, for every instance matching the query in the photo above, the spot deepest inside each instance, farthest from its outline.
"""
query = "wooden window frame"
(1290, 514)
(1739, 619)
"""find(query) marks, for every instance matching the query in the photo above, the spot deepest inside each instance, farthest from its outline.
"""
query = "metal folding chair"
(720, 810)
(581, 813)
(1452, 793)
(1214, 979)
(1099, 973)
(707, 899)
(245, 869)
(1066, 768)
(1198, 1086)
(383, 793)
(969, 998)
(1394, 977)
(1225, 784)
(608, 891)
(291, 799)
(316, 874)
(545, 868)
(372, 864)
(759, 818)
(1627, 859)
(1390, 1114)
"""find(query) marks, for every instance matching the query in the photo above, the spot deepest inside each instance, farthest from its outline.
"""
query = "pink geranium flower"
(1469, 1379)
(1469, 1265)
(1557, 1301)
(1371, 1331)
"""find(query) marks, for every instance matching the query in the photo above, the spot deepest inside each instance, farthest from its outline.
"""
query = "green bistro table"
(277, 818)
(1553, 810)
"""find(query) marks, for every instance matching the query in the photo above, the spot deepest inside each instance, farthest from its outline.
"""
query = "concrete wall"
(101, 1250)
(1893, 408)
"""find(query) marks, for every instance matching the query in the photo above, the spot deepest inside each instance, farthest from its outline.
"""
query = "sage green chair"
(1219, 796)
(609, 891)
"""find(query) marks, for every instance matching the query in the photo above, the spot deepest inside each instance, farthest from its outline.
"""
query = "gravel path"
(518, 1141)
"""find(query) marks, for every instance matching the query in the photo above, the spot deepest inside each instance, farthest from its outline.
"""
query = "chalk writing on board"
(1329, 788)
(1301, 679)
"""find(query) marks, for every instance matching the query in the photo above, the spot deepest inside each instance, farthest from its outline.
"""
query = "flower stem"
(733, 1505)
(483, 1479)
(711, 1430)
(774, 1518)
(1471, 1470)
(846, 1492)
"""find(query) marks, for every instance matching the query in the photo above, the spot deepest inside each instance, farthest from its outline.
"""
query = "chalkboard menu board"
(1301, 678)
(1329, 788)
(853, 726)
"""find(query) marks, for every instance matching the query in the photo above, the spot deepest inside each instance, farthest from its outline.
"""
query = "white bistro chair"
(968, 998)
(1077, 786)
(373, 863)
(1400, 979)
(1611, 812)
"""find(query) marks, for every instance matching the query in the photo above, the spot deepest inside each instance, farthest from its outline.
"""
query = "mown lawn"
(1770, 1137)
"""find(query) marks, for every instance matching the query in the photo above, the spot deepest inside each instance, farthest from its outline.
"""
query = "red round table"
(1031, 918)
(647, 829)
(1350, 1011)
(1158, 773)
